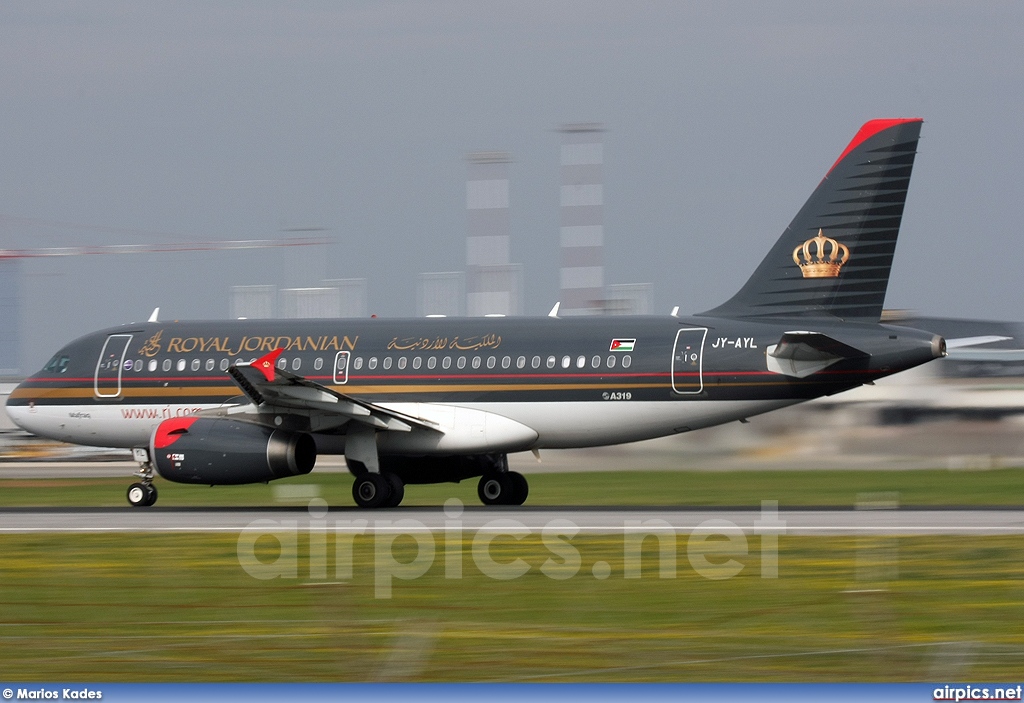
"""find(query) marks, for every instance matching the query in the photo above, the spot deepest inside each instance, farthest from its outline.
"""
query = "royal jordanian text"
(187, 345)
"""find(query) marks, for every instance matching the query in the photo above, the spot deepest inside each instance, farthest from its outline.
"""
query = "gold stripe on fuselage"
(231, 391)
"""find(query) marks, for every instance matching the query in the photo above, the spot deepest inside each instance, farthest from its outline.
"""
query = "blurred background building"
(581, 235)
(254, 302)
(493, 284)
(442, 293)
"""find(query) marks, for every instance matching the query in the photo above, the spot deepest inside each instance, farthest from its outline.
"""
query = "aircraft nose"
(19, 411)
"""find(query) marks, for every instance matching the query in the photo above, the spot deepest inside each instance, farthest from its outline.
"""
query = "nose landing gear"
(142, 493)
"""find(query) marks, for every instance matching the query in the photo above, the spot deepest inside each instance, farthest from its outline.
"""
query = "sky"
(135, 121)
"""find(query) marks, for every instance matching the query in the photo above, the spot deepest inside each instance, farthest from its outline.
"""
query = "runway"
(560, 520)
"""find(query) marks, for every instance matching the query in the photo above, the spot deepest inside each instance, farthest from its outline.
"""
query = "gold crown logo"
(821, 257)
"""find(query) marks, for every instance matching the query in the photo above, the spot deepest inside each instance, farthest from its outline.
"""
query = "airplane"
(430, 400)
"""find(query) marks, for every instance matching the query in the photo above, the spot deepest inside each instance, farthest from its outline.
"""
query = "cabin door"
(688, 361)
(110, 365)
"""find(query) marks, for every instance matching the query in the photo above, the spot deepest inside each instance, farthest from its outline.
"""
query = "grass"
(180, 607)
(996, 487)
(159, 607)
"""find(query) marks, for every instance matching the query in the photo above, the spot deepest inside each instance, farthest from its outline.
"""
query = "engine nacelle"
(225, 451)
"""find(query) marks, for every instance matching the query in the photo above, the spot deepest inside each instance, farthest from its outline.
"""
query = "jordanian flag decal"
(622, 345)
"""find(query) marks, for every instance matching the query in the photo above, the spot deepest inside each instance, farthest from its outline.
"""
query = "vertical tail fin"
(834, 258)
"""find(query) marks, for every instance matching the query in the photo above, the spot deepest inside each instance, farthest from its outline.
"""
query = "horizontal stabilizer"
(800, 354)
(962, 342)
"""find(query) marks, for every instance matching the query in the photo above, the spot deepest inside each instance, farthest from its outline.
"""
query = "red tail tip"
(870, 129)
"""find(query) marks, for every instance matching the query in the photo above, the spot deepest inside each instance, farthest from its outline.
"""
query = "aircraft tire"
(151, 495)
(138, 495)
(520, 488)
(495, 489)
(397, 490)
(371, 490)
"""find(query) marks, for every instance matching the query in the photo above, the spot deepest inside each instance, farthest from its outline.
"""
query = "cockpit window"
(58, 364)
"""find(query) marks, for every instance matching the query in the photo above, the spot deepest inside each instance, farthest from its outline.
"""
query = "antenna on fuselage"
(154, 316)
(554, 310)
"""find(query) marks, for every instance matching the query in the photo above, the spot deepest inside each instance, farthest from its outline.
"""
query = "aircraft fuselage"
(572, 382)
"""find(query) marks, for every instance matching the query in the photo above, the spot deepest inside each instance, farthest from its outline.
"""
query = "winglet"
(154, 316)
(554, 310)
(266, 364)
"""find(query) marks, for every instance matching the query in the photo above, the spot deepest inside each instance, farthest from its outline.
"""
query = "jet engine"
(225, 451)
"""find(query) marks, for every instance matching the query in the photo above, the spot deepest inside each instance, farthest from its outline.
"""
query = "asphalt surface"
(510, 519)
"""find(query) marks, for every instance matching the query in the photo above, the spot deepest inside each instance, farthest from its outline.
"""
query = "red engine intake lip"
(169, 431)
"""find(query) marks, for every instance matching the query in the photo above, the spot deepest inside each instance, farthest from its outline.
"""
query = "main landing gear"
(499, 486)
(503, 488)
(142, 494)
(373, 490)
(385, 488)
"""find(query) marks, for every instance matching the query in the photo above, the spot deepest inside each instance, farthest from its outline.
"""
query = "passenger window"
(596, 362)
(166, 366)
(358, 363)
(491, 361)
(551, 362)
(506, 362)
(401, 362)
(447, 362)
(128, 364)
(626, 361)
(461, 363)
(196, 363)
(296, 364)
(387, 362)
(535, 363)
(318, 363)
(282, 363)
(581, 362)
(224, 364)
(611, 361)
(138, 365)
(372, 363)
(181, 364)
(210, 364)
(431, 362)
(417, 362)
(521, 362)
(476, 362)
(565, 362)
(152, 364)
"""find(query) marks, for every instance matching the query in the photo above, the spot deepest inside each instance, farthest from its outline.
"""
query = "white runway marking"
(587, 521)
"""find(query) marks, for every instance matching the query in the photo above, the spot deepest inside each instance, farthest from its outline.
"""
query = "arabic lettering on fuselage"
(474, 343)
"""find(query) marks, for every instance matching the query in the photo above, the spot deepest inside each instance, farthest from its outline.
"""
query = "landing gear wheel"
(397, 490)
(371, 490)
(138, 495)
(520, 488)
(150, 494)
(495, 489)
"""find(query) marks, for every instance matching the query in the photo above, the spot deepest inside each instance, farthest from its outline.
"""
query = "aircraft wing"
(270, 387)
(802, 353)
